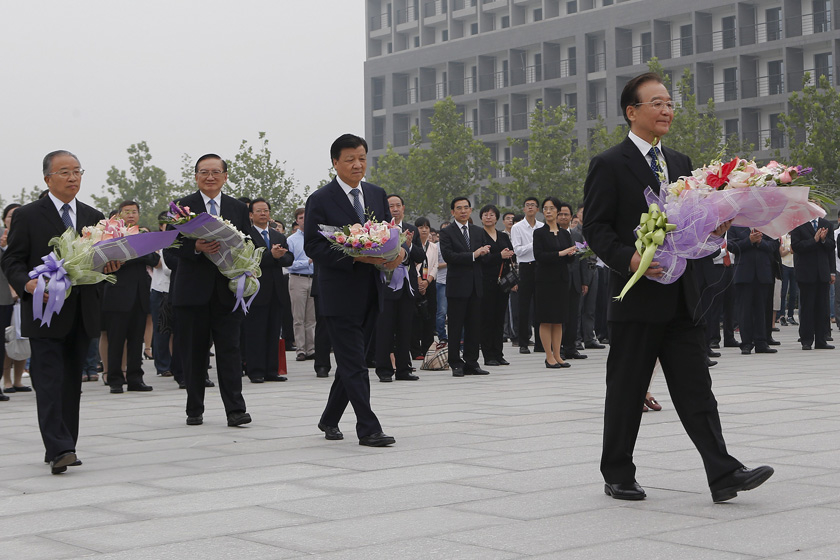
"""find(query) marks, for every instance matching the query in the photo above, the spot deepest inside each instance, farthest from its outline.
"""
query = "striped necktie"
(65, 216)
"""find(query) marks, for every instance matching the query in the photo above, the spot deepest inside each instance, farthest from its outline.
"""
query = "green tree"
(813, 136)
(256, 173)
(25, 196)
(144, 183)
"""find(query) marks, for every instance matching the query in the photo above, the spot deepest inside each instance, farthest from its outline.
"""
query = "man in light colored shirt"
(300, 292)
(522, 237)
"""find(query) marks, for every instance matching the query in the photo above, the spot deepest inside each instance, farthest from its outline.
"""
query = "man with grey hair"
(60, 348)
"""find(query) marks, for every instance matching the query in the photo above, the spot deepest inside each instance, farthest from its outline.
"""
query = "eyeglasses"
(658, 105)
(65, 173)
(215, 172)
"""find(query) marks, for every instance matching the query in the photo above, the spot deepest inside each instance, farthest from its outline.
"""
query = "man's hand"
(654, 270)
(112, 266)
(507, 253)
(584, 290)
(820, 235)
(755, 236)
(409, 236)
(278, 251)
(832, 280)
(391, 265)
(209, 247)
(722, 229)
(377, 261)
(481, 251)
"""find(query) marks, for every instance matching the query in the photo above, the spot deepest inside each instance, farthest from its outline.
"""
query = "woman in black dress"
(494, 301)
(553, 251)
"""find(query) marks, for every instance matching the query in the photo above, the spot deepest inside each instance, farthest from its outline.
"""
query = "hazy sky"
(186, 76)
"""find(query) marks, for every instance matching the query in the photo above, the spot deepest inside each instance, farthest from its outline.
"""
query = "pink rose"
(368, 245)
(785, 178)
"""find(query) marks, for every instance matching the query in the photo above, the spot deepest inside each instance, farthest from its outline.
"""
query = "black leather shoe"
(773, 342)
(491, 363)
(182, 385)
(116, 389)
(377, 440)
(746, 349)
(765, 350)
(300, 358)
(792, 321)
(713, 354)
(384, 378)
(26, 389)
(322, 372)
(476, 371)
(824, 346)
(829, 338)
(575, 355)
(140, 387)
(503, 362)
(710, 362)
(738, 481)
(524, 350)
(731, 343)
(714, 345)
(275, 377)
(625, 491)
(330, 432)
(406, 377)
(238, 418)
(579, 345)
(61, 461)
(195, 420)
(3, 397)
(594, 345)
(457, 371)
(806, 346)
(257, 380)
(208, 383)
(555, 365)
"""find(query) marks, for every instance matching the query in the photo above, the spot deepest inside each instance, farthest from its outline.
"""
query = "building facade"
(498, 58)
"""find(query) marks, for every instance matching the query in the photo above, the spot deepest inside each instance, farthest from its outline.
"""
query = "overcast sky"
(186, 76)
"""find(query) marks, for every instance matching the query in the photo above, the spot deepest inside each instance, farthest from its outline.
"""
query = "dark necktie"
(466, 235)
(265, 238)
(213, 207)
(654, 161)
(815, 223)
(357, 204)
(65, 216)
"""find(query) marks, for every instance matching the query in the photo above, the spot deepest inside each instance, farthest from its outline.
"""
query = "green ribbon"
(653, 225)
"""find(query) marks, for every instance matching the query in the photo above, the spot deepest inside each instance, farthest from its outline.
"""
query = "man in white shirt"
(522, 237)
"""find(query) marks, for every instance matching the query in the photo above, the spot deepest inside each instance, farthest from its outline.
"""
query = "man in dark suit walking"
(125, 306)
(204, 303)
(348, 287)
(393, 328)
(262, 323)
(461, 247)
(58, 350)
(815, 268)
(653, 320)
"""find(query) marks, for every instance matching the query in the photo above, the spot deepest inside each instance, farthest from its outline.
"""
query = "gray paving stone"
(43, 548)
(220, 548)
(417, 549)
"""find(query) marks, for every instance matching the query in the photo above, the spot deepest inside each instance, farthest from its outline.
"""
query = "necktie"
(213, 207)
(265, 238)
(815, 223)
(727, 260)
(357, 204)
(466, 235)
(654, 161)
(65, 216)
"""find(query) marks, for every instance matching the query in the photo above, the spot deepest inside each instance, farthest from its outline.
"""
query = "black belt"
(303, 275)
(527, 263)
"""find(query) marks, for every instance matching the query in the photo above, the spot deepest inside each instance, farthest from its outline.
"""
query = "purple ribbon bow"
(52, 270)
(397, 278)
(240, 292)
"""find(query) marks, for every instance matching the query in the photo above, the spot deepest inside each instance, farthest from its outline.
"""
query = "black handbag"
(507, 280)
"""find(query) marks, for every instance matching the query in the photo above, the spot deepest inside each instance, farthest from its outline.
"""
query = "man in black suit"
(125, 306)
(753, 282)
(58, 350)
(461, 247)
(204, 303)
(262, 323)
(653, 320)
(815, 268)
(580, 277)
(348, 287)
(393, 328)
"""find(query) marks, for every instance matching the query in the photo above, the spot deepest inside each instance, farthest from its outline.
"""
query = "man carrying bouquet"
(348, 287)
(653, 320)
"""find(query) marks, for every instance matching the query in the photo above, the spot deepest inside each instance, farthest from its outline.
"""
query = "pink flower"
(785, 177)
(340, 238)
(368, 245)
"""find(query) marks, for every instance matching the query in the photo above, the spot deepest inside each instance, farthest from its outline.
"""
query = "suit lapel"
(52, 216)
(638, 165)
(372, 210)
(342, 202)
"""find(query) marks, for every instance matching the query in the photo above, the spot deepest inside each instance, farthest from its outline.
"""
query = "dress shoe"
(330, 432)
(829, 338)
(806, 346)
(182, 385)
(824, 346)
(275, 377)
(773, 342)
(238, 418)
(310, 356)
(377, 440)
(731, 343)
(783, 321)
(579, 345)
(604, 340)
(574, 355)
(503, 362)
(300, 358)
(738, 481)
(371, 364)
(714, 345)
(765, 350)
(257, 380)
(713, 354)
(792, 321)
(195, 420)
(406, 377)
(475, 371)
(322, 372)
(555, 365)
(746, 349)
(775, 329)
(116, 389)
(457, 371)
(625, 491)
(384, 377)
(19, 389)
(3, 397)
(652, 404)
(710, 362)
(140, 387)
(594, 345)
(61, 461)
(165, 374)
(208, 383)
(524, 350)
(491, 363)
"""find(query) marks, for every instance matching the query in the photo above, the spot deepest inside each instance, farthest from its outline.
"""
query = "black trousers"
(322, 340)
(56, 374)
(127, 327)
(197, 323)
(261, 328)
(527, 288)
(603, 301)
(681, 348)
(424, 326)
(493, 307)
(751, 300)
(570, 327)
(814, 322)
(352, 382)
(464, 314)
(711, 303)
(393, 334)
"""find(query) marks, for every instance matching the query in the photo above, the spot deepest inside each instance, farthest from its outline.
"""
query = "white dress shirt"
(59, 204)
(645, 147)
(522, 238)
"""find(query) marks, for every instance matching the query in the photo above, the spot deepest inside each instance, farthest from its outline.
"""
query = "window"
(822, 15)
(390, 48)
(730, 127)
(505, 22)
(729, 37)
(777, 139)
(474, 29)
(572, 61)
(608, 2)
(416, 41)
(686, 40)
(647, 47)
(538, 67)
(444, 35)
(822, 67)
(538, 14)
(776, 80)
(571, 7)
(774, 24)
(730, 84)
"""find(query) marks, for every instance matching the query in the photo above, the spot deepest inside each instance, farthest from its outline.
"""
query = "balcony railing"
(795, 78)
(433, 92)
(673, 48)
(817, 22)
(405, 96)
(436, 8)
(634, 55)
(596, 62)
(533, 74)
(380, 21)
(401, 137)
(764, 139)
(720, 92)
(596, 109)
(501, 169)
(462, 4)
(495, 125)
(561, 69)
(496, 80)
(520, 121)
(406, 15)
(771, 31)
(717, 41)
(773, 84)
(472, 125)
(378, 142)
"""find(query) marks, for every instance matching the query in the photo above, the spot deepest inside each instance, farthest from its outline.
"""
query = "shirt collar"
(58, 204)
(347, 188)
(643, 145)
(217, 200)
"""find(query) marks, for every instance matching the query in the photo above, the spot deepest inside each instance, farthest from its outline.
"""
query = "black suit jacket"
(753, 261)
(33, 225)
(463, 278)
(344, 285)
(271, 280)
(614, 200)
(414, 254)
(813, 261)
(198, 279)
(579, 270)
(133, 283)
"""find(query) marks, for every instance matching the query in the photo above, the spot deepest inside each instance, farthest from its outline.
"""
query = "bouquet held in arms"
(80, 260)
(768, 198)
(237, 258)
(371, 239)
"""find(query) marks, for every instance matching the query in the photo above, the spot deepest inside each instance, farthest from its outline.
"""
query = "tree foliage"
(812, 131)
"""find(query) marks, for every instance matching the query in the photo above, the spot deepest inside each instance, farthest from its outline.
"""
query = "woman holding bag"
(494, 301)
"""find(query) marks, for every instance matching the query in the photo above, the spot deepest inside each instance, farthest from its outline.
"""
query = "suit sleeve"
(288, 258)
(315, 245)
(16, 257)
(447, 248)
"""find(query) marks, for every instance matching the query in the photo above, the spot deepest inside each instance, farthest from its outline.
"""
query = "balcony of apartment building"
(494, 5)
(596, 100)
(596, 53)
(715, 32)
(672, 38)
(380, 24)
(493, 118)
(760, 128)
(560, 60)
(525, 66)
(434, 12)
(633, 46)
(406, 89)
(464, 8)
(402, 129)
(433, 84)
(407, 14)
(815, 61)
(493, 72)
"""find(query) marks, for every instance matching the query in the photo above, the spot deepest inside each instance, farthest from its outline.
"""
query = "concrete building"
(498, 58)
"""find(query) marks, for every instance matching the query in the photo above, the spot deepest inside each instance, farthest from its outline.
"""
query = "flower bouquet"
(79, 260)
(584, 251)
(237, 259)
(371, 239)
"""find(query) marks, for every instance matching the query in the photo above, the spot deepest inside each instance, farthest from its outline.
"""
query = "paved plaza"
(496, 467)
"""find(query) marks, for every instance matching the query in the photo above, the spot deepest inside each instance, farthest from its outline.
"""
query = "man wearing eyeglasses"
(60, 348)
(204, 303)
(653, 320)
